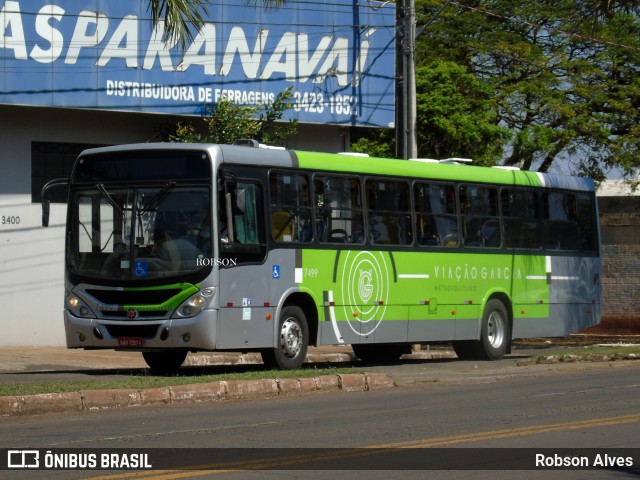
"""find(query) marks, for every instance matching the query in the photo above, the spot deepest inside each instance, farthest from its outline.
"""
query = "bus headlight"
(195, 303)
(77, 306)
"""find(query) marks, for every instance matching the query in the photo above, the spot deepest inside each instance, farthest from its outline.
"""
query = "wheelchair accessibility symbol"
(275, 273)
(141, 269)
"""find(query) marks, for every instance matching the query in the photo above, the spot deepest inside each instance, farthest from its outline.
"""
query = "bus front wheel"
(166, 361)
(292, 342)
(494, 335)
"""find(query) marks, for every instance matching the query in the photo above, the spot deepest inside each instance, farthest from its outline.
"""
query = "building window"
(51, 160)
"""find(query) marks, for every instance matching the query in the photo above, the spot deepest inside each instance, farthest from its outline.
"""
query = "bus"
(176, 248)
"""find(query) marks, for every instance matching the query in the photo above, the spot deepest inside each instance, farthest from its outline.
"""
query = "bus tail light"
(195, 303)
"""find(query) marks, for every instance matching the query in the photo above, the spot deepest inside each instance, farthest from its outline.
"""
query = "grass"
(145, 380)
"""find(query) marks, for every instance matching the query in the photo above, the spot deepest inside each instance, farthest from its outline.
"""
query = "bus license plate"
(131, 342)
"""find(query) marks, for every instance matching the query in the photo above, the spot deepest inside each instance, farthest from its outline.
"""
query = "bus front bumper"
(195, 333)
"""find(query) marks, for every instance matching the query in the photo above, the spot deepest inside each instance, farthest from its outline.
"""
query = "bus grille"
(140, 314)
(137, 297)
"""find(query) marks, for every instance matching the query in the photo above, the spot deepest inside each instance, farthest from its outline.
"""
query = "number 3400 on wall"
(9, 220)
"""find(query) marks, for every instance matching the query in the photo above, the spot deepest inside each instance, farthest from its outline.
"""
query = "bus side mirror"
(46, 204)
(46, 208)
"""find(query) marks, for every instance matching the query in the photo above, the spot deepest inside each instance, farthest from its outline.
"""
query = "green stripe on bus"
(414, 169)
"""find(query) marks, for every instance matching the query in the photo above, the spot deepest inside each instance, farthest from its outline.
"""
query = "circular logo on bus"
(365, 290)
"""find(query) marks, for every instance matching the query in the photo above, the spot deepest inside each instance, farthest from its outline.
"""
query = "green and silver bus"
(177, 248)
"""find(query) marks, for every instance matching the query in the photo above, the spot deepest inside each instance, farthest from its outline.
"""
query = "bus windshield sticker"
(142, 269)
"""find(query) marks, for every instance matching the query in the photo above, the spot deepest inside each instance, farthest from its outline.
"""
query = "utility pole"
(406, 128)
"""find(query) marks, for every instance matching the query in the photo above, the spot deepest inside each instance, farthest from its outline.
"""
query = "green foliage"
(182, 16)
(527, 83)
(456, 115)
(563, 75)
(179, 17)
(225, 122)
(374, 142)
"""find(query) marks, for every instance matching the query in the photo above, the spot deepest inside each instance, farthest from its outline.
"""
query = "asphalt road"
(499, 406)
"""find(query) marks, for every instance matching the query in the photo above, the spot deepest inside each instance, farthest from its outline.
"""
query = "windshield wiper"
(108, 198)
(159, 197)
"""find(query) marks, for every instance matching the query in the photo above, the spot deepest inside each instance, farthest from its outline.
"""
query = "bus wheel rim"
(495, 330)
(291, 337)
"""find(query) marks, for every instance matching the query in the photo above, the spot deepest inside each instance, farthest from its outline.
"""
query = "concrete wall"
(621, 282)
(620, 235)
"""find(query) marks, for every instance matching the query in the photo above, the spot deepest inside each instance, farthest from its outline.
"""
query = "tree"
(563, 73)
(455, 114)
(455, 117)
(225, 122)
(375, 142)
(181, 16)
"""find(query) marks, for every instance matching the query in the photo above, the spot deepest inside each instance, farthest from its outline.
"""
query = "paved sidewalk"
(56, 358)
(48, 358)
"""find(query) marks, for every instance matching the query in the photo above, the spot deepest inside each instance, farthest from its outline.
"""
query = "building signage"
(339, 58)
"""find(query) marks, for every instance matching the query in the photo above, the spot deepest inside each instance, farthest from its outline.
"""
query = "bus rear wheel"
(494, 335)
(292, 342)
(166, 361)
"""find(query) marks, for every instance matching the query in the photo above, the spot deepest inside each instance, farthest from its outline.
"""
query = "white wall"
(31, 257)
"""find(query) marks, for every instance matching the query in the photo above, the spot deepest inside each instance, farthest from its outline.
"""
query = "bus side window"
(588, 230)
(521, 214)
(338, 209)
(389, 212)
(480, 216)
(561, 230)
(436, 220)
(290, 205)
(240, 222)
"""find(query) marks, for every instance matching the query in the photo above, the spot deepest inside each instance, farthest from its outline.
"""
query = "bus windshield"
(143, 233)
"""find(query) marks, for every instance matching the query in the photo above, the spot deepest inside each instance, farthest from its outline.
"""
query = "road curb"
(569, 358)
(211, 359)
(91, 400)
